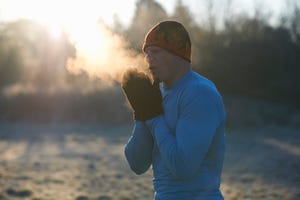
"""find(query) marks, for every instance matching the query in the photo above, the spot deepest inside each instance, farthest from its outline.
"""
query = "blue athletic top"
(186, 145)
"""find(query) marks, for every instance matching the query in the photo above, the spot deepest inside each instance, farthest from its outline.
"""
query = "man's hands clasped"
(144, 96)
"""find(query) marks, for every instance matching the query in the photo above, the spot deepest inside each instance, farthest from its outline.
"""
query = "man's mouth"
(153, 70)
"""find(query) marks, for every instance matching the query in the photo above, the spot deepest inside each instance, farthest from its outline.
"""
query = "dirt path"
(51, 162)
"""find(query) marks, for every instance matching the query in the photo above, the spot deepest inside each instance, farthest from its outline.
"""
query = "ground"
(86, 162)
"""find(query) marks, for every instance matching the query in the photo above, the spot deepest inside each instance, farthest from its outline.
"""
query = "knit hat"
(171, 36)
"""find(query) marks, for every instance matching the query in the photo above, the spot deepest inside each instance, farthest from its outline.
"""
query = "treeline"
(244, 56)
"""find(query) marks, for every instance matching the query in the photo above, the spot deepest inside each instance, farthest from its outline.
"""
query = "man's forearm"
(138, 150)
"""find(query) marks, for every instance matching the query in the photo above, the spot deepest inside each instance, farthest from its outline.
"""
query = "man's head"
(171, 36)
(167, 49)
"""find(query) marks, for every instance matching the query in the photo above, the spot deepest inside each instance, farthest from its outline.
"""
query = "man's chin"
(154, 76)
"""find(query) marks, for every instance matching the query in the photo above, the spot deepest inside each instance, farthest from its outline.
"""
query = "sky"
(60, 12)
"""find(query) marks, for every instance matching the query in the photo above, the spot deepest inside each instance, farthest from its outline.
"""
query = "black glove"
(144, 97)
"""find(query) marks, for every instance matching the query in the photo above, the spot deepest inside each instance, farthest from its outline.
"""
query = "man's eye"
(155, 51)
(152, 51)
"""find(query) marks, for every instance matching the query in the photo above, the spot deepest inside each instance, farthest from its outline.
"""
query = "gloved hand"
(144, 97)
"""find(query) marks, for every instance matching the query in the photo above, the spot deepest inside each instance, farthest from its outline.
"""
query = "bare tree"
(182, 14)
(147, 14)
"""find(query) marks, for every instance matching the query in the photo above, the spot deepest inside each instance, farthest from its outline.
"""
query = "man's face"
(160, 63)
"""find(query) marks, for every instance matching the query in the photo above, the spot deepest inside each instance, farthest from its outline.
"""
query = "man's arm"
(138, 150)
(146, 101)
(199, 118)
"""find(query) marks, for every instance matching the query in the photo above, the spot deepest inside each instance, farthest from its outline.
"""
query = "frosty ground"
(80, 162)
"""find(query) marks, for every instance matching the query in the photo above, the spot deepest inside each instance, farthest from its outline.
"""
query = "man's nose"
(149, 57)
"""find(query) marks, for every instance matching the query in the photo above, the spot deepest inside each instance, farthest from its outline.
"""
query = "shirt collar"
(177, 84)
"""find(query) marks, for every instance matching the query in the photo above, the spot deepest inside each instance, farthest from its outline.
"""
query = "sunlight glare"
(98, 51)
(91, 44)
(55, 31)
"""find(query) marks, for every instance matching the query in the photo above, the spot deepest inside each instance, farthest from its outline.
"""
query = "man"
(179, 119)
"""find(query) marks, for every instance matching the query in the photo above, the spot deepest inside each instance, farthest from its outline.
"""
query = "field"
(65, 161)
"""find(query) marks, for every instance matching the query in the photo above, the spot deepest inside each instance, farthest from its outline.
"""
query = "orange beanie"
(171, 36)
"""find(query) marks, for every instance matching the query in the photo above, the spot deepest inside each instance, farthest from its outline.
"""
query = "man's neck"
(181, 73)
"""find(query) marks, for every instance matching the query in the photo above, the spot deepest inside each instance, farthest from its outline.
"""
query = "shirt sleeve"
(138, 150)
(184, 151)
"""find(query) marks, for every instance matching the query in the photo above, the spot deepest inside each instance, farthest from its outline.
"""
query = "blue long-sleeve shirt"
(186, 145)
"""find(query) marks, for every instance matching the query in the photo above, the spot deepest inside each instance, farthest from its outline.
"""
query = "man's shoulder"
(201, 78)
(198, 84)
(199, 87)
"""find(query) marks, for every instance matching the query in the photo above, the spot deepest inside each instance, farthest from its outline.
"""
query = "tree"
(147, 14)
(117, 26)
(28, 54)
(183, 14)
